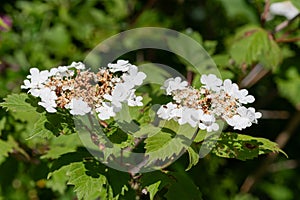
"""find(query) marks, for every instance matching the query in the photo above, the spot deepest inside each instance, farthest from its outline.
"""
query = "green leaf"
(242, 147)
(254, 44)
(58, 180)
(153, 189)
(50, 124)
(9, 146)
(193, 157)
(61, 145)
(2, 124)
(5, 149)
(39, 128)
(171, 141)
(85, 186)
(19, 102)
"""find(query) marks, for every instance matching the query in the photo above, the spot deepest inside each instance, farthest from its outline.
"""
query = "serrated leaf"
(39, 128)
(58, 180)
(171, 141)
(243, 147)
(85, 186)
(252, 45)
(50, 124)
(19, 102)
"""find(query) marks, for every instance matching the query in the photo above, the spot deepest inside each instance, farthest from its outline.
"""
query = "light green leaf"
(19, 102)
(50, 124)
(86, 187)
(39, 128)
(153, 189)
(171, 141)
(193, 157)
(254, 44)
(243, 147)
(58, 180)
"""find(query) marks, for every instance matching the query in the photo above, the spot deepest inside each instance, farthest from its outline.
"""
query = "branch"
(284, 24)
(264, 15)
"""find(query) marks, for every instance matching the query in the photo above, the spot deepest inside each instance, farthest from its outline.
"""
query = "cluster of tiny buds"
(81, 91)
(202, 107)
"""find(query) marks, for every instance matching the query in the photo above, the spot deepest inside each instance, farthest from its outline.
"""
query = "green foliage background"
(49, 33)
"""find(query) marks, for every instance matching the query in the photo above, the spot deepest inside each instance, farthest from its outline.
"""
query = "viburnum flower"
(202, 107)
(78, 107)
(285, 8)
(81, 91)
(173, 84)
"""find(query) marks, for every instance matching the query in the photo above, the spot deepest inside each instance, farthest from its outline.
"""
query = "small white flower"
(78, 107)
(190, 116)
(166, 111)
(173, 84)
(53, 72)
(77, 65)
(285, 8)
(121, 65)
(106, 111)
(134, 100)
(37, 78)
(211, 82)
(244, 119)
(133, 77)
(208, 123)
(119, 95)
(244, 98)
(232, 89)
(48, 98)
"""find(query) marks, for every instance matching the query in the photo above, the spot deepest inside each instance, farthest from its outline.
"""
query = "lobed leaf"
(19, 102)
(243, 147)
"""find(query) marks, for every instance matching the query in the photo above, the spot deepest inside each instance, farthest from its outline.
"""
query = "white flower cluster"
(81, 91)
(202, 107)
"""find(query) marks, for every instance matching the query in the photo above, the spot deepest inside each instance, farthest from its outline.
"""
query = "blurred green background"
(50, 33)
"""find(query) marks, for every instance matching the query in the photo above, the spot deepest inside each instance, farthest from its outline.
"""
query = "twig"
(257, 73)
(284, 24)
(284, 40)
(265, 13)
(281, 140)
(189, 77)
